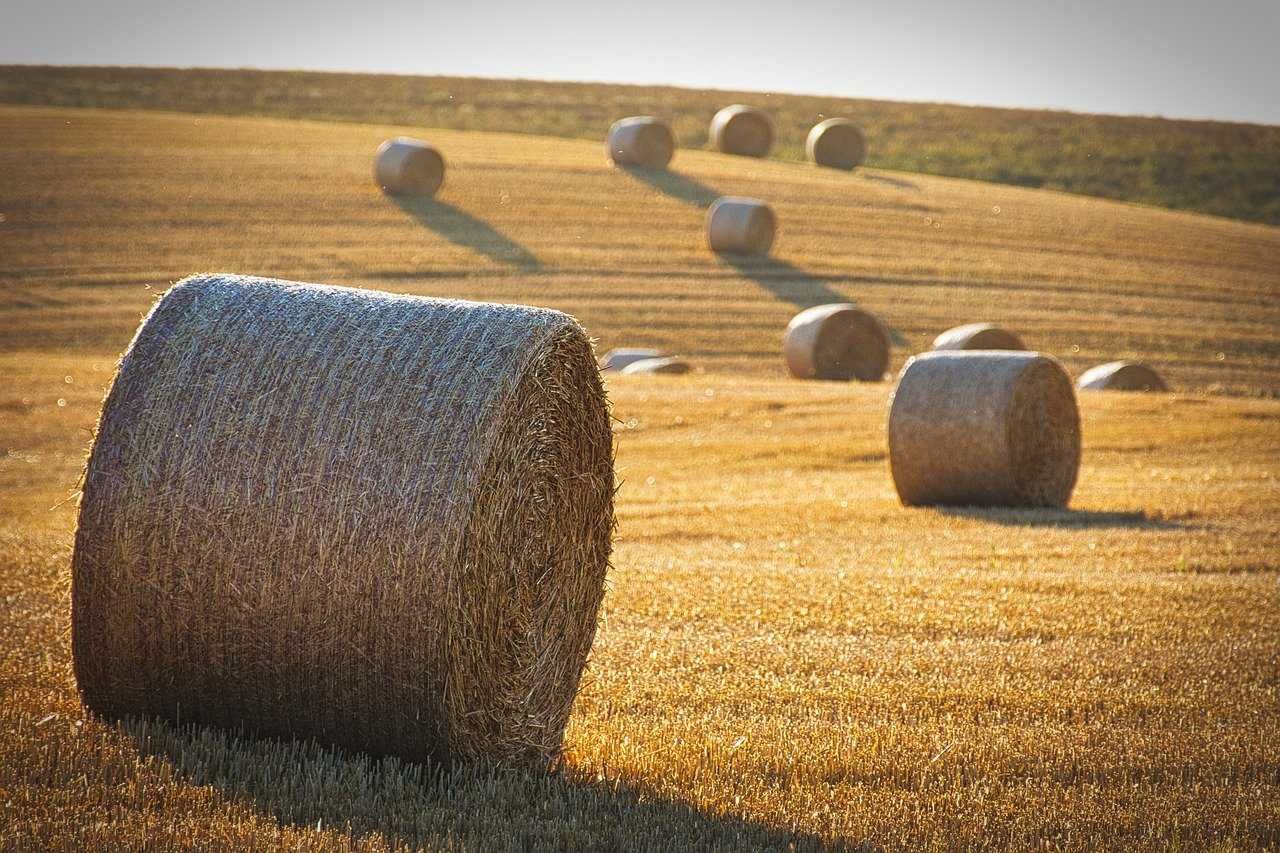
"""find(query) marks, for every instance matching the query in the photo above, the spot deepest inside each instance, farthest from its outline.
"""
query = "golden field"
(788, 658)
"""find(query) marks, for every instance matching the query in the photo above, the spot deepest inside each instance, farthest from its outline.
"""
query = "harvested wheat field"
(787, 658)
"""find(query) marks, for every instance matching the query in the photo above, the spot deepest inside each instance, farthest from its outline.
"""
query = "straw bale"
(1121, 376)
(641, 141)
(379, 521)
(410, 167)
(743, 130)
(741, 226)
(619, 357)
(669, 365)
(838, 341)
(836, 142)
(977, 336)
(984, 428)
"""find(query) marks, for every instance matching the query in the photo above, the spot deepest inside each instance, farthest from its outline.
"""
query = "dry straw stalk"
(984, 428)
(743, 130)
(837, 341)
(1121, 376)
(977, 336)
(379, 521)
(409, 167)
(741, 226)
(641, 141)
(837, 143)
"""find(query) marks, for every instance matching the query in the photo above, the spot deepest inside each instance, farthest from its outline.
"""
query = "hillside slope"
(1210, 167)
(103, 209)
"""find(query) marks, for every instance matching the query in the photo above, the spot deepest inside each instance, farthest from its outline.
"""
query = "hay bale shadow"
(1063, 518)
(898, 183)
(462, 229)
(677, 186)
(418, 806)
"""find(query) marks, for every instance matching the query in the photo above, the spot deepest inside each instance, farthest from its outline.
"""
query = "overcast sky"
(1152, 57)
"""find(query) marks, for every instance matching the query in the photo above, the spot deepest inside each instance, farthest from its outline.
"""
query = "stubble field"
(788, 657)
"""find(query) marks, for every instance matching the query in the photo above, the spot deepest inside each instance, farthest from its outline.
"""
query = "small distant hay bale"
(977, 336)
(379, 521)
(984, 429)
(837, 341)
(1121, 376)
(669, 365)
(837, 143)
(741, 226)
(408, 167)
(742, 130)
(641, 141)
(619, 357)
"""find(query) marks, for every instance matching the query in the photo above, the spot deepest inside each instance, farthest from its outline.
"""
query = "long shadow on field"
(422, 806)
(1064, 518)
(784, 280)
(893, 182)
(462, 229)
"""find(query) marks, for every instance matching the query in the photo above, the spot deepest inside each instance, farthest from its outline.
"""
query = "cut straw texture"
(837, 341)
(741, 226)
(408, 167)
(977, 336)
(984, 429)
(837, 143)
(1121, 376)
(739, 129)
(641, 141)
(382, 522)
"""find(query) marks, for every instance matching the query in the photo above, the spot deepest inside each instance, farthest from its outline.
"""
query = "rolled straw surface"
(743, 130)
(379, 521)
(741, 226)
(984, 428)
(838, 341)
(410, 167)
(836, 142)
(641, 141)
(977, 336)
(1121, 376)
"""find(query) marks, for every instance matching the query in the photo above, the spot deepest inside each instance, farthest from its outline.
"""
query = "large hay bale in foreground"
(619, 357)
(668, 366)
(837, 341)
(977, 336)
(741, 226)
(379, 521)
(1121, 376)
(739, 129)
(410, 167)
(641, 141)
(837, 143)
(984, 428)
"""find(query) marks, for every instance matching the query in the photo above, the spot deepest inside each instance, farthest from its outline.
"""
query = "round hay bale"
(619, 357)
(669, 366)
(1121, 376)
(836, 142)
(379, 521)
(741, 226)
(406, 166)
(977, 336)
(742, 130)
(838, 341)
(641, 141)
(984, 429)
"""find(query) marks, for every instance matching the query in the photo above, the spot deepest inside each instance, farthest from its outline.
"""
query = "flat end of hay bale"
(984, 428)
(741, 226)
(406, 166)
(838, 341)
(741, 130)
(379, 521)
(836, 143)
(642, 141)
(1121, 376)
(974, 336)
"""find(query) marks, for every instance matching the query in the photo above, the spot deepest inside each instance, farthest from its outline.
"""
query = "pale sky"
(1174, 58)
